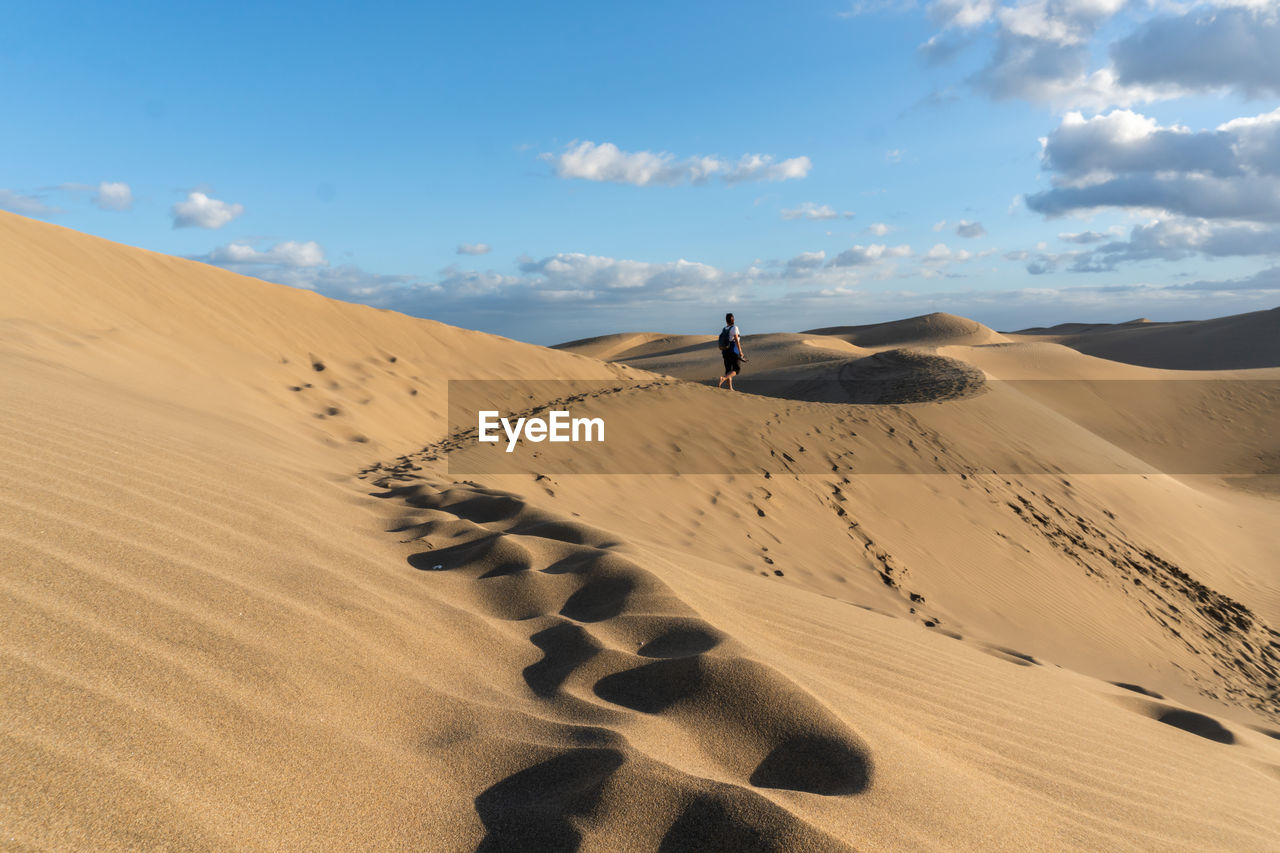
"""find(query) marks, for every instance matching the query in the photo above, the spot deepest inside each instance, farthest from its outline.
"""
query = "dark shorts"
(732, 364)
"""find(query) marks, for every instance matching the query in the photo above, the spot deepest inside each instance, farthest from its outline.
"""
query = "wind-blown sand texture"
(246, 607)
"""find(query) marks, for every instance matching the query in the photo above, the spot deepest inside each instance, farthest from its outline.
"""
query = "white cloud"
(970, 230)
(201, 211)
(940, 257)
(585, 160)
(1067, 22)
(473, 249)
(879, 228)
(561, 278)
(347, 282)
(1256, 141)
(1042, 50)
(941, 253)
(1205, 50)
(1084, 151)
(805, 262)
(471, 283)
(962, 14)
(113, 195)
(590, 292)
(354, 284)
(303, 265)
(1170, 239)
(580, 272)
(287, 254)
(1083, 237)
(606, 162)
(809, 210)
(893, 155)
(1124, 159)
(1174, 239)
(27, 205)
(864, 255)
(760, 167)
(108, 195)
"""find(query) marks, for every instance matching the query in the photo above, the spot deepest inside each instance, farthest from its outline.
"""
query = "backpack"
(725, 341)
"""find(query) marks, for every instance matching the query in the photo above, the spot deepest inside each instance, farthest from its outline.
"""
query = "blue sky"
(557, 172)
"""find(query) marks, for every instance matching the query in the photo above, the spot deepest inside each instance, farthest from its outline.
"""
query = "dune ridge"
(1223, 343)
(935, 329)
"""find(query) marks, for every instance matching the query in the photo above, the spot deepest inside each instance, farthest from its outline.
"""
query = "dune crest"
(1223, 343)
(937, 329)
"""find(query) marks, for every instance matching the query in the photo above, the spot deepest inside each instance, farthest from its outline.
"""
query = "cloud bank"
(1043, 51)
(287, 254)
(113, 195)
(605, 162)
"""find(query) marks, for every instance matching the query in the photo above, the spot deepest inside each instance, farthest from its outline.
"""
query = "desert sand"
(246, 606)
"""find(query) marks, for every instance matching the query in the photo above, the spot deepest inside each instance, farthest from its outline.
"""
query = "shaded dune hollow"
(891, 377)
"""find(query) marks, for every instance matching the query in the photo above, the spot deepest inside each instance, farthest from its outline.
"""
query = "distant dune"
(936, 329)
(1225, 343)
(247, 606)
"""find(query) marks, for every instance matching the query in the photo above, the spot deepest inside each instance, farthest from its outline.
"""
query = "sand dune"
(334, 373)
(936, 329)
(809, 366)
(246, 606)
(692, 356)
(1224, 343)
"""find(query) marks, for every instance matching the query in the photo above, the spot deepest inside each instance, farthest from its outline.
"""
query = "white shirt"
(733, 340)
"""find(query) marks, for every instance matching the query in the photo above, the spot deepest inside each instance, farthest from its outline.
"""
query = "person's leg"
(729, 376)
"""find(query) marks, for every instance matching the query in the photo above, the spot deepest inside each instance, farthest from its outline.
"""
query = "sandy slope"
(934, 329)
(232, 618)
(1224, 343)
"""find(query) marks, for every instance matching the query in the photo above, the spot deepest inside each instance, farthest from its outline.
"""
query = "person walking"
(731, 350)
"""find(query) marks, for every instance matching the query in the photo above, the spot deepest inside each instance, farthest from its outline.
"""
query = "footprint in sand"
(554, 804)
(533, 809)
(1011, 655)
(1197, 724)
(600, 619)
(1192, 722)
(1138, 689)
